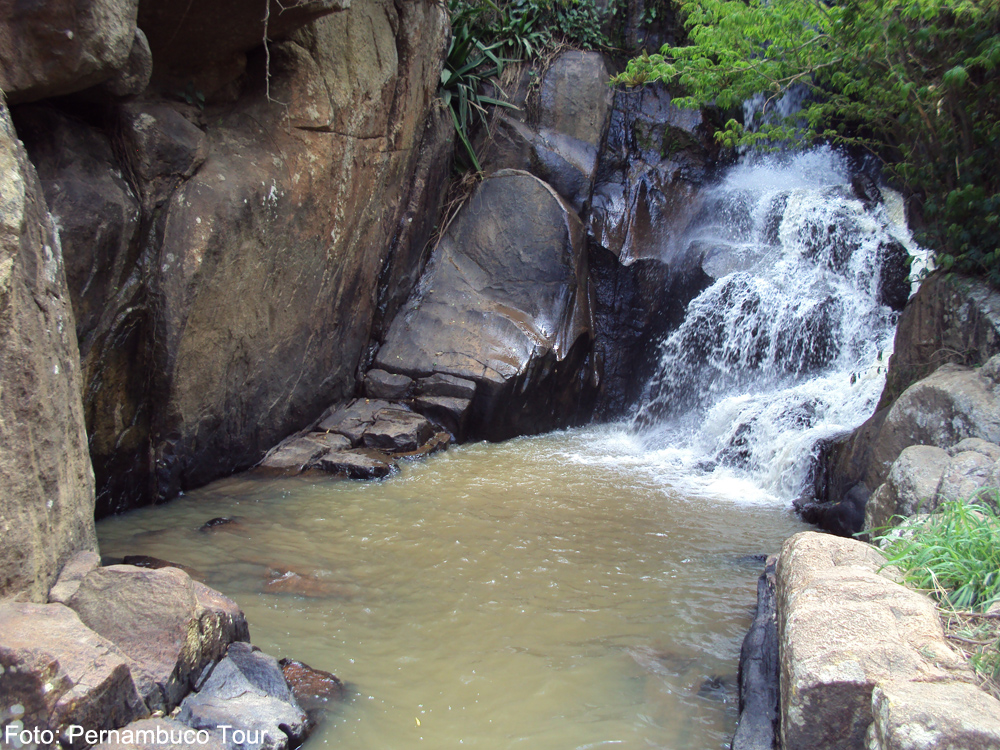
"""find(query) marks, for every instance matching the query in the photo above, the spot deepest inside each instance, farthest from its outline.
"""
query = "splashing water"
(790, 343)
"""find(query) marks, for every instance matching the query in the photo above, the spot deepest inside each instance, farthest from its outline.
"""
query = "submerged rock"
(315, 691)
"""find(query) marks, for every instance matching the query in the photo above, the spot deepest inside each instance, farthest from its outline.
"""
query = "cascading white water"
(790, 343)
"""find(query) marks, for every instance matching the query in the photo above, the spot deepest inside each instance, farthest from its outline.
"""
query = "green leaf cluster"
(914, 81)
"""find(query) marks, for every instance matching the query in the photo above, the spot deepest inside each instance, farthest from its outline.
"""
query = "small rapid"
(790, 343)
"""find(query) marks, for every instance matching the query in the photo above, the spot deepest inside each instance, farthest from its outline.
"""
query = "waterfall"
(790, 343)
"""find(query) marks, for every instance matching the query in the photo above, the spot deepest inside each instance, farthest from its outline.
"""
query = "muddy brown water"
(568, 591)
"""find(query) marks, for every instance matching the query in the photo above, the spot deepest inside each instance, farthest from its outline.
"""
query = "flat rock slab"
(843, 629)
(248, 693)
(72, 574)
(387, 385)
(397, 431)
(60, 673)
(170, 625)
(354, 465)
(352, 419)
(448, 386)
(161, 734)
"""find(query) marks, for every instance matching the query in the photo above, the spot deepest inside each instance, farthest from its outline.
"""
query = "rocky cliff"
(236, 231)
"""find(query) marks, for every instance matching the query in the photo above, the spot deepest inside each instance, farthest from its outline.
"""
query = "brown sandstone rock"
(504, 302)
(314, 689)
(50, 48)
(933, 716)
(911, 487)
(170, 625)
(46, 480)
(72, 574)
(843, 629)
(59, 672)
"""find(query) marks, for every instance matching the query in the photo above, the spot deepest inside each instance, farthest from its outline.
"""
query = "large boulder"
(843, 629)
(171, 626)
(504, 302)
(46, 480)
(278, 233)
(49, 48)
(55, 672)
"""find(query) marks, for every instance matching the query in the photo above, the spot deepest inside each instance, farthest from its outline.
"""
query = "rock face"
(949, 321)
(50, 48)
(504, 303)
(844, 630)
(46, 482)
(169, 625)
(646, 193)
(55, 672)
(231, 264)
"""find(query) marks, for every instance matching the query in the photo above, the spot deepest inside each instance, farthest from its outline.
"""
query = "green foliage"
(953, 553)
(470, 64)
(914, 81)
(487, 34)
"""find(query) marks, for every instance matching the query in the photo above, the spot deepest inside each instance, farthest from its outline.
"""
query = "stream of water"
(587, 588)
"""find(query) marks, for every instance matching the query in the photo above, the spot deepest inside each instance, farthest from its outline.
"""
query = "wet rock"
(894, 285)
(308, 583)
(247, 692)
(386, 385)
(504, 302)
(46, 480)
(933, 717)
(72, 574)
(161, 734)
(447, 386)
(951, 319)
(315, 691)
(449, 412)
(59, 672)
(397, 431)
(843, 629)
(911, 487)
(352, 419)
(53, 48)
(168, 624)
(757, 728)
(217, 523)
(354, 465)
(843, 517)
(292, 457)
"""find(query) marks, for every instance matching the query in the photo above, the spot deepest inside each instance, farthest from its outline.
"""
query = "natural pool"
(568, 591)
